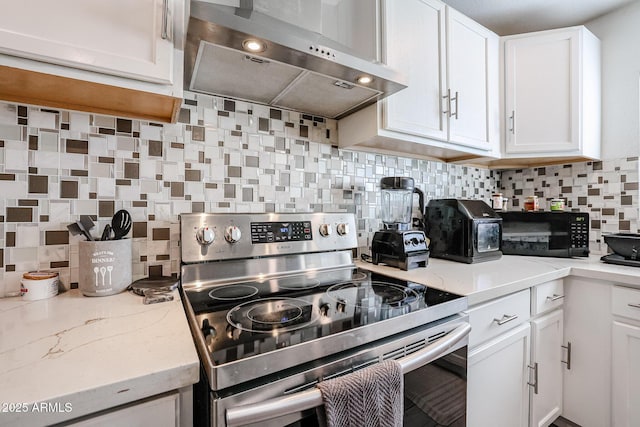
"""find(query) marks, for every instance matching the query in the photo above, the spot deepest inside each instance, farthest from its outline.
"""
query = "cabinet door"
(497, 393)
(546, 351)
(586, 398)
(118, 37)
(414, 39)
(626, 375)
(472, 75)
(542, 75)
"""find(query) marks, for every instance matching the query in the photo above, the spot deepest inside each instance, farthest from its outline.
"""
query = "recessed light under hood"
(293, 69)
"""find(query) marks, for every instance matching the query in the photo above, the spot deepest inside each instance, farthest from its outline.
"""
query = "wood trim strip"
(30, 87)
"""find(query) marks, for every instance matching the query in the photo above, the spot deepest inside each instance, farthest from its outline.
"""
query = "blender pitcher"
(397, 200)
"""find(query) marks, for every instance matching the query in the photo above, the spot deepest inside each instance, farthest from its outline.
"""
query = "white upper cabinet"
(450, 109)
(116, 57)
(126, 38)
(416, 47)
(472, 76)
(552, 94)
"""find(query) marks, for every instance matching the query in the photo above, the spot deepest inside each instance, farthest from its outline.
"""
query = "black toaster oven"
(545, 233)
(463, 230)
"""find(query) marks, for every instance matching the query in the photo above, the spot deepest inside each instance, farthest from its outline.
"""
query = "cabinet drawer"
(547, 296)
(625, 302)
(500, 315)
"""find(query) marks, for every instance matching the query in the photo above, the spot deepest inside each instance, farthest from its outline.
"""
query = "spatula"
(121, 224)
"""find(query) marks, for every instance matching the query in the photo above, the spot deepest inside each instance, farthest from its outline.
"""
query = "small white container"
(37, 285)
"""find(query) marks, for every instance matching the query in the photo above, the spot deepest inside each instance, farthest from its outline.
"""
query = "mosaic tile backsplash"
(222, 156)
(229, 156)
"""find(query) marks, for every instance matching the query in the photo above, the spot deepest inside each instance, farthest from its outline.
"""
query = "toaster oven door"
(488, 236)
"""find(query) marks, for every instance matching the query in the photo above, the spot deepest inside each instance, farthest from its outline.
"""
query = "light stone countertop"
(89, 354)
(492, 279)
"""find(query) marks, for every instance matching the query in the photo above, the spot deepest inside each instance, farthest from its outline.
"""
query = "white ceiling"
(506, 17)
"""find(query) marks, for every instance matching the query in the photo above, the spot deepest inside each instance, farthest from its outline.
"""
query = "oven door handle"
(279, 406)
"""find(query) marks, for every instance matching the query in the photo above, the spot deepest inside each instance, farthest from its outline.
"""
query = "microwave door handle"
(301, 401)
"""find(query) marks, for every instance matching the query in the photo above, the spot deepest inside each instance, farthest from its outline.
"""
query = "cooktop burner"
(272, 315)
(233, 292)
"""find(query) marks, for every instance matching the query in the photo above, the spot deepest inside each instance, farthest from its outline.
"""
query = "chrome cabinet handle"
(512, 120)
(505, 318)
(457, 99)
(634, 305)
(448, 98)
(165, 20)
(568, 362)
(279, 406)
(555, 297)
(535, 377)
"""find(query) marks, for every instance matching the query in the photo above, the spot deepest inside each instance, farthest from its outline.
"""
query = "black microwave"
(544, 233)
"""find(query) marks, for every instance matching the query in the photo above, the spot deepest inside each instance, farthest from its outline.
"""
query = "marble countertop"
(78, 355)
(492, 279)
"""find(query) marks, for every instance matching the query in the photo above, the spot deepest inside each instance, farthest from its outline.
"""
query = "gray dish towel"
(370, 397)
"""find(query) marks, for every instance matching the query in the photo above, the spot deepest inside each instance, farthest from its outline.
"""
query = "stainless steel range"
(276, 305)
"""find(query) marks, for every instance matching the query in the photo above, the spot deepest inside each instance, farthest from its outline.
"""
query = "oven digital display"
(273, 232)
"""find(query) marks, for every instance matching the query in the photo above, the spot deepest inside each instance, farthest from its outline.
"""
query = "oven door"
(435, 385)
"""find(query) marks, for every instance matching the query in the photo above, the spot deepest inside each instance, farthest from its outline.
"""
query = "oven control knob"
(324, 309)
(341, 306)
(232, 234)
(343, 229)
(205, 236)
(325, 230)
(207, 329)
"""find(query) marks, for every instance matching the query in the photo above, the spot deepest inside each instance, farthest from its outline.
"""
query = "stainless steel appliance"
(625, 247)
(397, 244)
(540, 233)
(289, 66)
(463, 230)
(276, 305)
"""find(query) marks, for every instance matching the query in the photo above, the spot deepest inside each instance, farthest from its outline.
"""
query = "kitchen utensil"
(75, 229)
(153, 296)
(87, 222)
(158, 283)
(121, 224)
(85, 231)
(106, 233)
(624, 244)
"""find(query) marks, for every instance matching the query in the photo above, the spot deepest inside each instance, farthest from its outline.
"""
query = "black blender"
(397, 244)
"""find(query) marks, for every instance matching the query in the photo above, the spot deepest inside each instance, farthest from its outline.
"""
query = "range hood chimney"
(290, 67)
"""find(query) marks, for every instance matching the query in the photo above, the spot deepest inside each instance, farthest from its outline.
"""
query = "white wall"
(619, 33)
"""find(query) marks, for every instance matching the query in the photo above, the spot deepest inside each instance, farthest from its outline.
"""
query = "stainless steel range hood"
(298, 69)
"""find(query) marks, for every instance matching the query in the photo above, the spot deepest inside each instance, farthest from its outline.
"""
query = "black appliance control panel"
(269, 232)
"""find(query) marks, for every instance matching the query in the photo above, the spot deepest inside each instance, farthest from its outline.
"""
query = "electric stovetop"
(250, 318)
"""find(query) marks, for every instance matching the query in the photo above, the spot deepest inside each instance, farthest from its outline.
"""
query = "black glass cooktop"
(244, 319)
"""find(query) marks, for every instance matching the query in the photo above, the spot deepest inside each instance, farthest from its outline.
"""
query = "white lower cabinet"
(546, 360)
(625, 370)
(497, 393)
(498, 362)
(587, 326)
(626, 375)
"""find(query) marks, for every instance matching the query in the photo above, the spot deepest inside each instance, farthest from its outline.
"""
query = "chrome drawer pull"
(634, 305)
(568, 362)
(535, 377)
(505, 318)
(555, 297)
